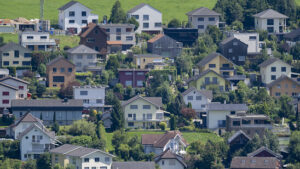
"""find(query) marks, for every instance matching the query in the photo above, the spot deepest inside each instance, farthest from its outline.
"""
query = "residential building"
(218, 63)
(93, 36)
(202, 17)
(234, 50)
(4, 73)
(7, 93)
(144, 61)
(14, 55)
(292, 37)
(143, 112)
(74, 15)
(255, 162)
(20, 84)
(92, 96)
(252, 40)
(264, 152)
(272, 69)
(124, 33)
(187, 36)
(37, 41)
(158, 143)
(197, 98)
(207, 79)
(83, 57)
(165, 46)
(133, 77)
(168, 160)
(81, 157)
(271, 21)
(149, 18)
(60, 72)
(217, 112)
(284, 85)
(238, 139)
(133, 165)
(64, 111)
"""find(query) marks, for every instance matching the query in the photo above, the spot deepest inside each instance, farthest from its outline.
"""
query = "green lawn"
(31, 8)
(298, 2)
(9, 37)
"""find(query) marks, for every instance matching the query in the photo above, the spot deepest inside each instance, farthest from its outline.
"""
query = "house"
(271, 21)
(81, 157)
(4, 73)
(255, 162)
(292, 37)
(234, 50)
(92, 96)
(64, 111)
(217, 112)
(218, 63)
(133, 165)
(165, 46)
(93, 36)
(197, 98)
(284, 85)
(133, 77)
(74, 15)
(37, 41)
(202, 17)
(168, 159)
(264, 152)
(144, 61)
(143, 112)
(18, 83)
(187, 36)
(60, 72)
(272, 69)
(120, 32)
(239, 139)
(83, 57)
(252, 40)
(14, 55)
(149, 18)
(158, 143)
(7, 93)
(207, 80)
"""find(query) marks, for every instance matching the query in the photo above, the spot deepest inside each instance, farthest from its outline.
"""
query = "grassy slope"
(298, 2)
(30, 8)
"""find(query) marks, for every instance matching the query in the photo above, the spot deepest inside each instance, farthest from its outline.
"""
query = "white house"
(252, 40)
(197, 98)
(37, 41)
(81, 157)
(7, 94)
(74, 15)
(83, 57)
(149, 18)
(271, 21)
(170, 160)
(272, 69)
(20, 84)
(217, 112)
(202, 17)
(92, 96)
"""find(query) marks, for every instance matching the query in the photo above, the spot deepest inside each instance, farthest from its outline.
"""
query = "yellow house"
(143, 112)
(208, 80)
(218, 63)
(148, 61)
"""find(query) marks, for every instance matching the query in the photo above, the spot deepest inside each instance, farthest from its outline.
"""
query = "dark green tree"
(30, 164)
(40, 90)
(173, 124)
(117, 115)
(174, 23)
(295, 51)
(294, 147)
(44, 161)
(133, 21)
(117, 13)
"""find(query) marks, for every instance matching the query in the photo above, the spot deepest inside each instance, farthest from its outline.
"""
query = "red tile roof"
(155, 38)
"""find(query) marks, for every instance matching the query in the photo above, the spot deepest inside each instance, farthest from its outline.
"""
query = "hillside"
(30, 8)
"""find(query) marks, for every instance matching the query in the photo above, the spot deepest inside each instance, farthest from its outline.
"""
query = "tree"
(82, 140)
(295, 51)
(176, 106)
(117, 13)
(42, 69)
(117, 115)
(119, 137)
(294, 147)
(67, 91)
(55, 127)
(82, 127)
(173, 122)
(286, 109)
(163, 125)
(174, 23)
(40, 90)
(1, 41)
(188, 113)
(215, 33)
(237, 25)
(44, 161)
(30, 164)
(112, 63)
(133, 21)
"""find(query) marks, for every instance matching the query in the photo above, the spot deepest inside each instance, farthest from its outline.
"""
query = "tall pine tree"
(117, 13)
(117, 115)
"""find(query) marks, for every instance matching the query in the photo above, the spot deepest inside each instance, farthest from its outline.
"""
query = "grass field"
(31, 8)
(298, 2)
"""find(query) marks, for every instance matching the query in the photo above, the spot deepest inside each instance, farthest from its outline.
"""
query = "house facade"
(14, 55)
(252, 40)
(170, 160)
(149, 18)
(143, 112)
(7, 93)
(20, 84)
(271, 21)
(133, 165)
(165, 46)
(187, 36)
(197, 98)
(135, 78)
(74, 15)
(83, 57)
(60, 72)
(284, 85)
(37, 41)
(92, 96)
(234, 50)
(255, 162)
(144, 61)
(202, 17)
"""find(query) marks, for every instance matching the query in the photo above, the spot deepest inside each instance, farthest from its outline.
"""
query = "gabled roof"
(160, 140)
(227, 40)
(157, 101)
(82, 49)
(270, 61)
(168, 154)
(263, 148)
(86, 30)
(64, 149)
(210, 57)
(293, 34)
(203, 74)
(133, 165)
(28, 117)
(51, 134)
(270, 13)
(155, 38)
(12, 45)
(9, 86)
(139, 7)
(281, 78)
(227, 107)
(206, 93)
(53, 61)
(254, 162)
(203, 12)
(69, 4)
(13, 78)
(236, 134)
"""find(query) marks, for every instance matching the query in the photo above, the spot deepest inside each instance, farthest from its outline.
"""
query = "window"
(215, 80)
(118, 37)
(236, 123)
(232, 112)
(200, 19)
(5, 54)
(221, 123)
(133, 106)
(130, 124)
(146, 107)
(162, 162)
(71, 21)
(246, 121)
(97, 159)
(278, 86)
(5, 93)
(118, 30)
(270, 21)
(21, 95)
(99, 101)
(200, 26)
(128, 29)
(86, 160)
(145, 17)
(198, 97)
(270, 29)
(27, 55)
(86, 101)
(294, 86)
(235, 43)
(129, 38)
(84, 22)
(128, 73)
(139, 83)
(283, 69)
(136, 16)
(242, 58)
(5, 101)
(54, 69)
(72, 13)
(79, 56)
(62, 70)
(26, 63)
(286, 85)
(58, 79)
(15, 62)
(273, 77)
(211, 19)
(83, 93)
(202, 105)
(43, 37)
(277, 94)
(273, 69)
(70, 69)
(145, 25)
(17, 54)
(190, 98)
(140, 73)
(86, 167)
(90, 56)
(6, 63)
(207, 81)
(129, 115)
(252, 37)
(107, 30)
(29, 37)
(230, 50)
(83, 13)
(149, 116)
(128, 83)
(157, 24)
(212, 65)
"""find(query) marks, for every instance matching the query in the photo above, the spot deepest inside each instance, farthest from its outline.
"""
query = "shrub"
(163, 126)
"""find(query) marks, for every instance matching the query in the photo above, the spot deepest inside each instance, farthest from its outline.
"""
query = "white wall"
(194, 22)
(17, 84)
(93, 95)
(165, 164)
(214, 116)
(82, 63)
(92, 162)
(266, 71)
(253, 45)
(261, 24)
(12, 95)
(197, 104)
(22, 126)
(113, 33)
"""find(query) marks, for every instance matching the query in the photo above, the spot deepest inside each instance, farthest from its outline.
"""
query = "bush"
(82, 127)
(163, 126)
(187, 128)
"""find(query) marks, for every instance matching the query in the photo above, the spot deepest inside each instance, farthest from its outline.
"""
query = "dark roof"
(157, 101)
(293, 34)
(13, 78)
(53, 61)
(66, 148)
(139, 7)
(210, 57)
(228, 107)
(89, 28)
(204, 12)
(28, 117)
(51, 134)
(263, 148)
(203, 74)
(168, 154)
(254, 162)
(137, 70)
(68, 5)
(229, 39)
(281, 78)
(9, 86)
(270, 13)
(206, 93)
(47, 103)
(160, 140)
(12, 45)
(269, 61)
(82, 49)
(133, 165)
(155, 38)
(236, 134)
